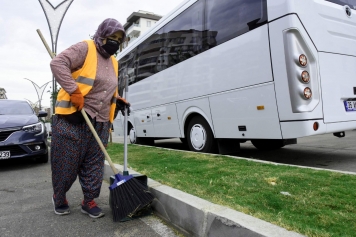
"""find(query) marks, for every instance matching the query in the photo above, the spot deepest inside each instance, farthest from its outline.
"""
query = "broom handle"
(107, 157)
(45, 44)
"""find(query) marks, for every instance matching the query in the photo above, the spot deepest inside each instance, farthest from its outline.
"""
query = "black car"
(22, 133)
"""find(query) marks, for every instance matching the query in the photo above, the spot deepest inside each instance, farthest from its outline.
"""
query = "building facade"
(138, 23)
(2, 93)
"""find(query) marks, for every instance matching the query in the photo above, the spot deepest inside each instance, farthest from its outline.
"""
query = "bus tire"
(134, 139)
(183, 140)
(267, 144)
(200, 138)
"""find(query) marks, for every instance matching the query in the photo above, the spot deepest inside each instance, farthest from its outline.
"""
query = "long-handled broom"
(127, 194)
(132, 193)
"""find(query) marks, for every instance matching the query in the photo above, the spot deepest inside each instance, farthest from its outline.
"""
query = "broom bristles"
(128, 198)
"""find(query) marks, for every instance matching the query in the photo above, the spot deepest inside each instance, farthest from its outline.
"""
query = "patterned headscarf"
(105, 29)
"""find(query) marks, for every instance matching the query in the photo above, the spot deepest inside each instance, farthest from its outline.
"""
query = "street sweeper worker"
(88, 75)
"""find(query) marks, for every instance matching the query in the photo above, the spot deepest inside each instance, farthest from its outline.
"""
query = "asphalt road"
(26, 208)
(25, 190)
(322, 151)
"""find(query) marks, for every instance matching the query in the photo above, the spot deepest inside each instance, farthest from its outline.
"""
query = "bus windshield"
(350, 3)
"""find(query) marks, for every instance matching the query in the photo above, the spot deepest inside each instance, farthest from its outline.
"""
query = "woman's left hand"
(121, 104)
(122, 101)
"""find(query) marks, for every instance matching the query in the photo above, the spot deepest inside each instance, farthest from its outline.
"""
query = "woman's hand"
(121, 104)
(77, 99)
(122, 100)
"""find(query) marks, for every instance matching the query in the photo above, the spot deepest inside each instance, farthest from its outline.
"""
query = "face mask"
(111, 46)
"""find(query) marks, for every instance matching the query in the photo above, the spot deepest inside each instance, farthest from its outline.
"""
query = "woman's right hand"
(77, 99)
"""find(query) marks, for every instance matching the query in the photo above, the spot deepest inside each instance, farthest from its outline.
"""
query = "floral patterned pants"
(75, 152)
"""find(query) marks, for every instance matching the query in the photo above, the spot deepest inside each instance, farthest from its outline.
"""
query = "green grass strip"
(314, 203)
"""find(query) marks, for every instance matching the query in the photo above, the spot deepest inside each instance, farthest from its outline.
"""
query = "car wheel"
(134, 139)
(200, 138)
(267, 144)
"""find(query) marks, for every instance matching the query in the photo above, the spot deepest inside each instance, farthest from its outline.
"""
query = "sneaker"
(92, 209)
(62, 209)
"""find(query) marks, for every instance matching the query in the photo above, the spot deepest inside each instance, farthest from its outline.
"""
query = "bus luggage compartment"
(338, 83)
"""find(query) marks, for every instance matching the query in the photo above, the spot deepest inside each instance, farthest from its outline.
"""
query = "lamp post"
(39, 91)
(54, 16)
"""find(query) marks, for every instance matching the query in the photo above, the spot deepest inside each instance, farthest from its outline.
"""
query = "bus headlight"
(305, 77)
(308, 93)
(303, 60)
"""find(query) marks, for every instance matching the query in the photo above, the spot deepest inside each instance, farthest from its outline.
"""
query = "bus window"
(127, 64)
(190, 19)
(184, 35)
(147, 56)
(350, 3)
(233, 18)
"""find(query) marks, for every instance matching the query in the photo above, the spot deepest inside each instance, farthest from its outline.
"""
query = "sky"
(22, 53)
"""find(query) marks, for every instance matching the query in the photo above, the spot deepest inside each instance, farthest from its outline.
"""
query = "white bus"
(217, 73)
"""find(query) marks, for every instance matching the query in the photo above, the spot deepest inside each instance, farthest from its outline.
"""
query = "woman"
(88, 75)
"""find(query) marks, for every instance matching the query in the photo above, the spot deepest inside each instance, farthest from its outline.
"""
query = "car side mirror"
(42, 114)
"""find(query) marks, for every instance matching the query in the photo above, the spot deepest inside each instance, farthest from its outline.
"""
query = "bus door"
(165, 121)
(143, 123)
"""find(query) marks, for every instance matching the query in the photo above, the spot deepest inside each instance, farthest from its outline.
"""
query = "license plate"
(350, 105)
(4, 155)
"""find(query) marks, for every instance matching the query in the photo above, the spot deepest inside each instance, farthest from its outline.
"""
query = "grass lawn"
(311, 202)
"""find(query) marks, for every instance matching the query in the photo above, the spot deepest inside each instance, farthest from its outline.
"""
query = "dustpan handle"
(125, 172)
(107, 157)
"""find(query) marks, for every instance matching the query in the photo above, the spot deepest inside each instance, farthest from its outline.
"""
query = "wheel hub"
(132, 136)
(198, 137)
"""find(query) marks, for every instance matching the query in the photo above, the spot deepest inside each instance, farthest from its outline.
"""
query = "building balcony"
(134, 29)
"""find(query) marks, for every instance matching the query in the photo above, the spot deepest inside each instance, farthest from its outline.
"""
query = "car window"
(15, 108)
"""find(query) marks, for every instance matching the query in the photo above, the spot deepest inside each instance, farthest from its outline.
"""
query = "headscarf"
(106, 28)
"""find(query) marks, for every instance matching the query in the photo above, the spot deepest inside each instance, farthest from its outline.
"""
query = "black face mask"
(111, 46)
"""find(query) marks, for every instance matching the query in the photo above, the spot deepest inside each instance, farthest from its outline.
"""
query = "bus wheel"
(267, 144)
(183, 140)
(132, 135)
(139, 140)
(200, 137)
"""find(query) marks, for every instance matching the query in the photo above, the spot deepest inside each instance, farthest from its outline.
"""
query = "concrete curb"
(194, 216)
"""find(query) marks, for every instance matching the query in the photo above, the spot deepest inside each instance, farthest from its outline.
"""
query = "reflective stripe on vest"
(84, 78)
(86, 81)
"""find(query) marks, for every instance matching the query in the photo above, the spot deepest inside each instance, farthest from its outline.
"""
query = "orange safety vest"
(84, 78)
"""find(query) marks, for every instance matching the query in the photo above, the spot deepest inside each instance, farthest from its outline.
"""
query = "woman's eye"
(118, 40)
